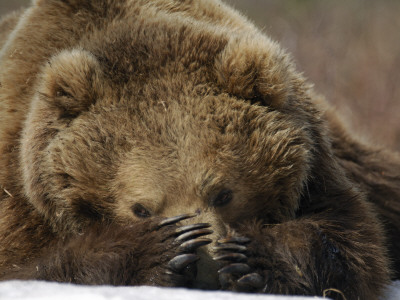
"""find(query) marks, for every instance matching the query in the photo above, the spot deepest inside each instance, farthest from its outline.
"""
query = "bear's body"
(140, 139)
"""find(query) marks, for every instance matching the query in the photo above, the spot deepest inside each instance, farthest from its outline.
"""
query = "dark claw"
(235, 268)
(187, 228)
(175, 276)
(254, 280)
(174, 220)
(234, 257)
(193, 234)
(180, 262)
(235, 239)
(192, 245)
(230, 247)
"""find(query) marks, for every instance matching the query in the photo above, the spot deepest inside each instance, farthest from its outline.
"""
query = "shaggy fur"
(117, 114)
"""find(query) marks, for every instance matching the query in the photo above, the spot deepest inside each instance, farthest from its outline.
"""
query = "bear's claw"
(231, 247)
(237, 274)
(233, 257)
(175, 220)
(254, 280)
(191, 227)
(236, 268)
(178, 263)
(181, 268)
(193, 234)
(192, 245)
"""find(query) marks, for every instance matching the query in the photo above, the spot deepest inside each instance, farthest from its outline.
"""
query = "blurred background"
(9, 5)
(349, 49)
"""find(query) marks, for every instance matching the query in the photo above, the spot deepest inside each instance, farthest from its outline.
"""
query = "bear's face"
(91, 153)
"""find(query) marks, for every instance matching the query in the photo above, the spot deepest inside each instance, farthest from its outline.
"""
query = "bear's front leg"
(151, 252)
(309, 256)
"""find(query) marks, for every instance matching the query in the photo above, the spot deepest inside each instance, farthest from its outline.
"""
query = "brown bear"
(172, 143)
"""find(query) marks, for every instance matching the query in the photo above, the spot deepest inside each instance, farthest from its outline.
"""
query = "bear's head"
(100, 145)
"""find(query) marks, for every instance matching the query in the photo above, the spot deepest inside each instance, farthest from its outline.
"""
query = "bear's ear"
(72, 82)
(257, 69)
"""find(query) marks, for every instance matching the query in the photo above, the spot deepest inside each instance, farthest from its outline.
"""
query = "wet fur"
(104, 104)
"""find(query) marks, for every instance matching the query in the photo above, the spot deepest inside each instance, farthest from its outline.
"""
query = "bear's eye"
(140, 211)
(223, 198)
(62, 93)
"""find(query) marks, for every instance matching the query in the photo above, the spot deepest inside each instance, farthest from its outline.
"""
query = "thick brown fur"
(117, 114)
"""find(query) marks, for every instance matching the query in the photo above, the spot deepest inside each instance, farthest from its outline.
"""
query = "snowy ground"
(35, 290)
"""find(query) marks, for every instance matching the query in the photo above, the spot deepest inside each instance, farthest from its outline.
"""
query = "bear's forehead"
(144, 49)
(173, 118)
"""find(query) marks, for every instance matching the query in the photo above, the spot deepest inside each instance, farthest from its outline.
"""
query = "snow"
(35, 290)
